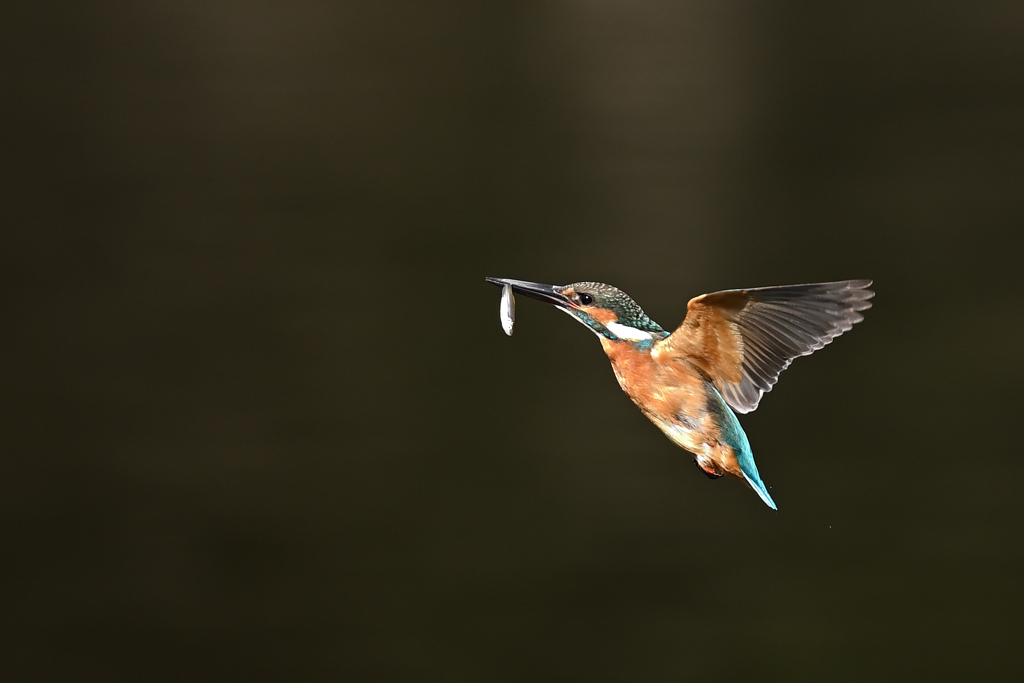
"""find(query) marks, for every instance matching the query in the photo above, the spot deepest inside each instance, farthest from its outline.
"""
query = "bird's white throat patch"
(627, 332)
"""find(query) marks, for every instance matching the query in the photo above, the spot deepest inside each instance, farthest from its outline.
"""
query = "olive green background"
(260, 421)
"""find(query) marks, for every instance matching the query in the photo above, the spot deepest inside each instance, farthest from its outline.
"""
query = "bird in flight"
(729, 350)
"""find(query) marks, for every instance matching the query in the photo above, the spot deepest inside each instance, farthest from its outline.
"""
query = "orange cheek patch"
(602, 316)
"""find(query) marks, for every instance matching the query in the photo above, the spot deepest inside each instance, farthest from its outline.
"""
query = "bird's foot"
(711, 472)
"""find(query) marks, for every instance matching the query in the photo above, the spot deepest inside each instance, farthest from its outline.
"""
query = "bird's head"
(606, 310)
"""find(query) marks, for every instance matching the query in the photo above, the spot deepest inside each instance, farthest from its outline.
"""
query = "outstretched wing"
(742, 339)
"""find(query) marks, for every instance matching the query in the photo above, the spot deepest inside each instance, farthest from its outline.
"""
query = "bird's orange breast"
(671, 394)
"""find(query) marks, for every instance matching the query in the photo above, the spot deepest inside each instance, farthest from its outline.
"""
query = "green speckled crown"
(614, 299)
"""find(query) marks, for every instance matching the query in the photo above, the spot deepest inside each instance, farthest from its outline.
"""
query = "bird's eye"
(586, 299)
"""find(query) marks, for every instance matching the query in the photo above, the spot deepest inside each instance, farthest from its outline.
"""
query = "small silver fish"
(507, 309)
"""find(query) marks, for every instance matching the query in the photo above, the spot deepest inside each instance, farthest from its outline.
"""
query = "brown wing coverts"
(773, 325)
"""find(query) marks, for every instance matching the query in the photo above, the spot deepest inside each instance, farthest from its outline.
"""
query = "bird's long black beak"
(551, 294)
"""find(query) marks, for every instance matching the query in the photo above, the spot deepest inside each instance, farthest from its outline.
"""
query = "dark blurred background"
(260, 420)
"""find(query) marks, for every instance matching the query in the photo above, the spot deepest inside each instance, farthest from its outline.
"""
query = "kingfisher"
(729, 350)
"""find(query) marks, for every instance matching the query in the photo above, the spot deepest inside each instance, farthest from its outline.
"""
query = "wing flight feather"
(742, 339)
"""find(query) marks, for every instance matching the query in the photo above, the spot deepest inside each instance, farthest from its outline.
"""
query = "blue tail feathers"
(732, 433)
